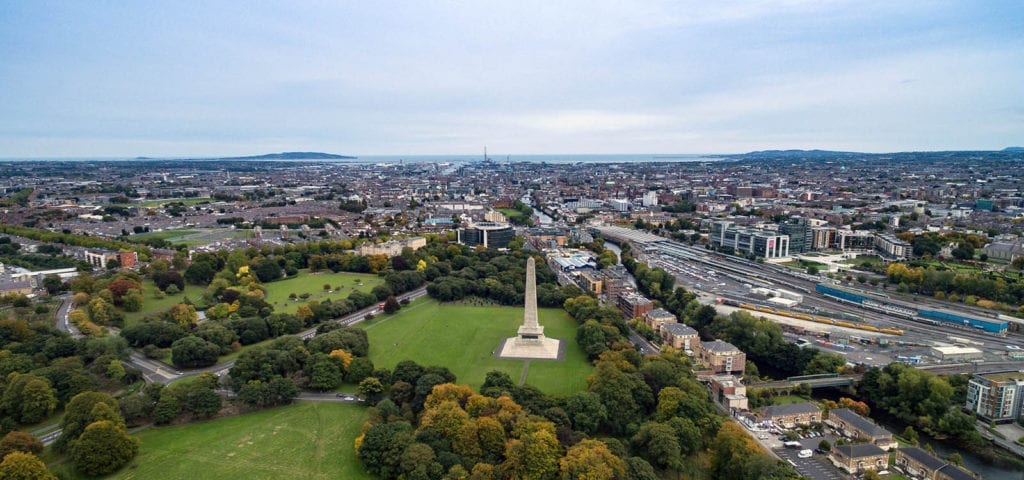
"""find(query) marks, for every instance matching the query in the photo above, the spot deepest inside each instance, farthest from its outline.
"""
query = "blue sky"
(423, 77)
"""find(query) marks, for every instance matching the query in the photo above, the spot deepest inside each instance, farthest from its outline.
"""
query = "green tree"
(657, 443)
(391, 305)
(382, 447)
(586, 411)
(371, 388)
(194, 352)
(78, 414)
(103, 448)
(24, 466)
(324, 372)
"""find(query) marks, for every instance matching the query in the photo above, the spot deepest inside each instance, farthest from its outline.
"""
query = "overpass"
(825, 380)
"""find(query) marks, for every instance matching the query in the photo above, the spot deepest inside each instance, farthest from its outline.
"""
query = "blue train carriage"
(839, 294)
(996, 327)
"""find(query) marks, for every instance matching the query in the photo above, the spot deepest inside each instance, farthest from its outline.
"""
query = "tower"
(530, 342)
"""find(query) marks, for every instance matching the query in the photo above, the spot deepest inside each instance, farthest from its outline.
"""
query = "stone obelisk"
(531, 331)
(530, 341)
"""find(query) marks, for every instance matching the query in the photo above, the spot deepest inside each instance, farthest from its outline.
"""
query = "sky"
(218, 78)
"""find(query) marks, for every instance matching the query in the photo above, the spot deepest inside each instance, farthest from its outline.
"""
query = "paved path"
(522, 375)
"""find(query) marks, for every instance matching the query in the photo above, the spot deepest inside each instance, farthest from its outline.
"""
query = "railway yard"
(868, 326)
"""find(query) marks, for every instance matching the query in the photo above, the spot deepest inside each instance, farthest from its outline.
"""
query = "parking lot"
(816, 467)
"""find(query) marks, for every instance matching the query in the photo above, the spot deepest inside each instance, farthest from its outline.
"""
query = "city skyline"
(171, 80)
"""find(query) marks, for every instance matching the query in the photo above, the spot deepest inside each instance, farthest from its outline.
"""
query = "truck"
(792, 444)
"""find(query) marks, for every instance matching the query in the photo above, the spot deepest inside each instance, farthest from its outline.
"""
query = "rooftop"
(791, 409)
(859, 422)
(1003, 376)
(678, 329)
(719, 346)
(922, 457)
(859, 450)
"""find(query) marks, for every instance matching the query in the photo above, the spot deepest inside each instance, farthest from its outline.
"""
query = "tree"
(103, 448)
(28, 398)
(381, 448)
(534, 455)
(391, 305)
(132, 301)
(592, 460)
(24, 466)
(324, 372)
(657, 444)
(183, 314)
(78, 414)
(194, 352)
(586, 411)
(910, 435)
(359, 369)
(371, 388)
(267, 270)
(53, 284)
(17, 441)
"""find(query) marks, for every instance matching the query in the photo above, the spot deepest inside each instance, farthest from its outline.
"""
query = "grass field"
(342, 285)
(463, 338)
(151, 304)
(196, 236)
(305, 440)
(511, 212)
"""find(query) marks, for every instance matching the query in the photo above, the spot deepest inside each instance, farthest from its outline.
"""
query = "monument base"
(542, 348)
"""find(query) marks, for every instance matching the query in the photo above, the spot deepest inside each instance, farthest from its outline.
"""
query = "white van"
(805, 453)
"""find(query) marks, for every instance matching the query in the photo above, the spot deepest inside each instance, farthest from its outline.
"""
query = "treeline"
(47, 236)
(460, 272)
(43, 370)
(929, 402)
(974, 287)
(640, 419)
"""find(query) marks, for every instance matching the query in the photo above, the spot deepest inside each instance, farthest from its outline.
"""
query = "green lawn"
(195, 236)
(511, 212)
(305, 440)
(151, 304)
(342, 285)
(787, 399)
(463, 338)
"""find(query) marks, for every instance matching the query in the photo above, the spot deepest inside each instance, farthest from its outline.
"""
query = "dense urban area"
(773, 315)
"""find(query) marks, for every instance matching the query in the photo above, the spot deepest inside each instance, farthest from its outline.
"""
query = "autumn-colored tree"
(592, 460)
(80, 298)
(183, 314)
(304, 312)
(24, 466)
(860, 408)
(733, 449)
(448, 392)
(446, 417)
(17, 441)
(344, 356)
(534, 456)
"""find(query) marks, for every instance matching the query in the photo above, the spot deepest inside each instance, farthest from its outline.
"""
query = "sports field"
(193, 237)
(342, 284)
(304, 440)
(463, 338)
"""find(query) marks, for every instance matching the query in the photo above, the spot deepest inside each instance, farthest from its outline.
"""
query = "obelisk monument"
(530, 341)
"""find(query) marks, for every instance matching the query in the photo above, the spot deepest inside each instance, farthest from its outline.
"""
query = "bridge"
(825, 380)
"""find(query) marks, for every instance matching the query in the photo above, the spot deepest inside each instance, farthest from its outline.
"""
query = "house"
(918, 463)
(852, 425)
(658, 317)
(793, 414)
(722, 357)
(860, 457)
(680, 336)
(23, 287)
(729, 392)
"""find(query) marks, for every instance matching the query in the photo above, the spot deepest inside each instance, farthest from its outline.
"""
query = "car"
(1012, 347)
(821, 451)
(805, 453)
(762, 437)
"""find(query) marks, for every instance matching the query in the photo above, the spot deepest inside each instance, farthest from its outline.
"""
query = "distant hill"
(1013, 149)
(292, 156)
(798, 153)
